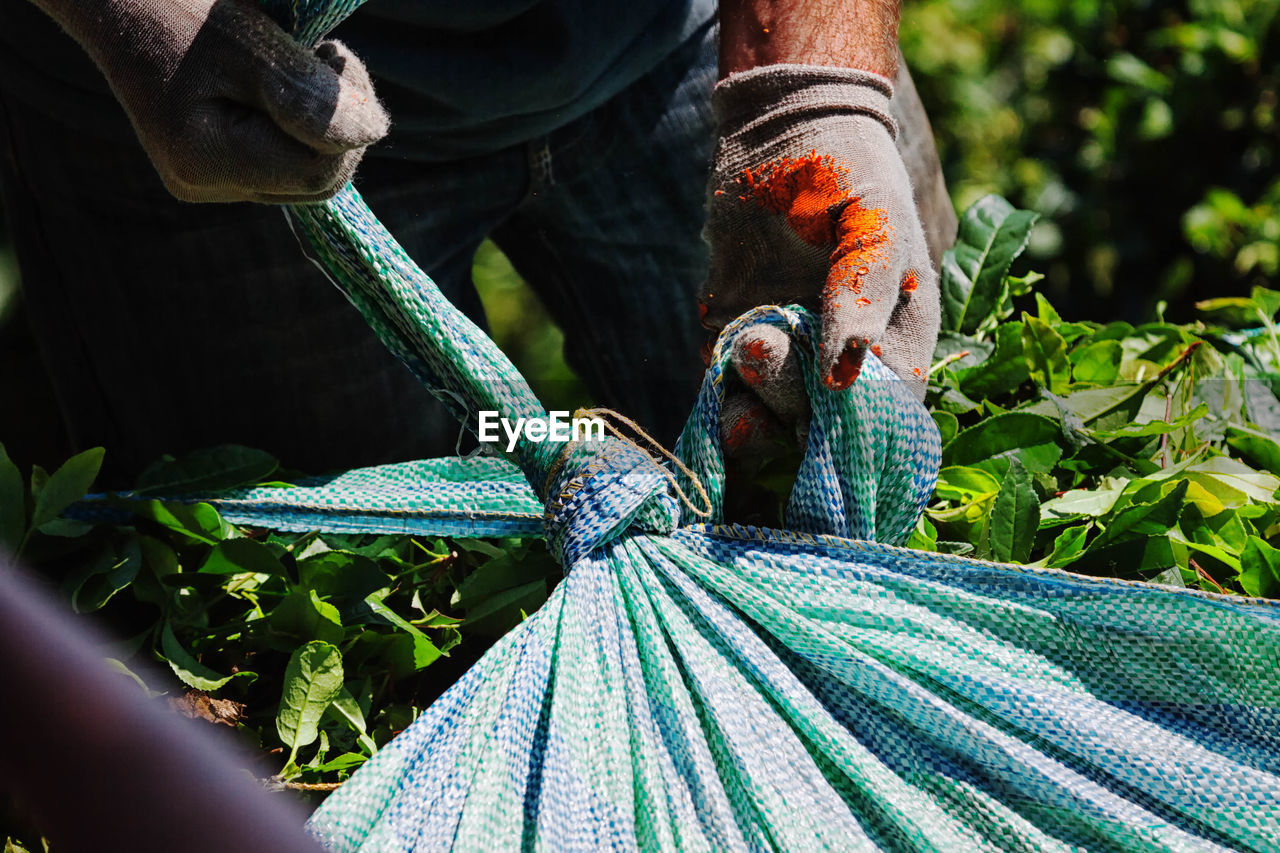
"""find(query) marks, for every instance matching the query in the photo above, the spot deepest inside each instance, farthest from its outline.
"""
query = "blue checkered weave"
(693, 685)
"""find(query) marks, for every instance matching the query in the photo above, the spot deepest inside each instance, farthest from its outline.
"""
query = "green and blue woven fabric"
(692, 685)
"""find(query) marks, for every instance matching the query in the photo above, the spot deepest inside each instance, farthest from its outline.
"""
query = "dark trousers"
(167, 326)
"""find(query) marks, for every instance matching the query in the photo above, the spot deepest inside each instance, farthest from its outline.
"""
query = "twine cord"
(607, 416)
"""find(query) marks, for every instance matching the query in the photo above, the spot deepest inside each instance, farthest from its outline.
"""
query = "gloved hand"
(809, 202)
(226, 105)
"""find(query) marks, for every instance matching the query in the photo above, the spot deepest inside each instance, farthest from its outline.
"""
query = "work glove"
(227, 106)
(809, 202)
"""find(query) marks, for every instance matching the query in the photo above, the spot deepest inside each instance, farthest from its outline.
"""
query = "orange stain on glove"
(745, 428)
(755, 359)
(845, 371)
(807, 191)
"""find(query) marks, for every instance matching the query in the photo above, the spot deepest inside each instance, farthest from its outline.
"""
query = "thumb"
(325, 100)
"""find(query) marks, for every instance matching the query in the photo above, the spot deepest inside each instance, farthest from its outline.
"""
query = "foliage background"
(1143, 131)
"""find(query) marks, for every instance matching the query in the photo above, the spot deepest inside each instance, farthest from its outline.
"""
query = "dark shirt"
(459, 77)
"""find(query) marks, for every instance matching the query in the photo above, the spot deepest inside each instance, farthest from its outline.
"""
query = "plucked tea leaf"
(1260, 568)
(66, 485)
(234, 556)
(992, 234)
(1015, 516)
(1032, 437)
(188, 669)
(312, 680)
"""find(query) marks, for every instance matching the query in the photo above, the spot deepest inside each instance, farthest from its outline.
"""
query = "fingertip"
(746, 425)
(752, 360)
(844, 371)
(358, 119)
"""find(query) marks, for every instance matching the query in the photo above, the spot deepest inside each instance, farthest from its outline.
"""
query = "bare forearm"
(860, 34)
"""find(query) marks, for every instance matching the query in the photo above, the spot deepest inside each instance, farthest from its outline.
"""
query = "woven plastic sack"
(701, 686)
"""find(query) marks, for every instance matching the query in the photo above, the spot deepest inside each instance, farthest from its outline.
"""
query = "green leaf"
(1014, 516)
(303, 615)
(425, 652)
(1266, 299)
(1080, 503)
(1097, 363)
(495, 592)
(1231, 481)
(198, 521)
(1239, 311)
(1171, 576)
(92, 584)
(1046, 354)
(960, 483)
(210, 469)
(959, 351)
(160, 561)
(234, 556)
(948, 425)
(1046, 312)
(992, 234)
(312, 680)
(1153, 519)
(346, 706)
(1256, 447)
(66, 485)
(1256, 309)
(1113, 405)
(1220, 554)
(1151, 428)
(1068, 546)
(13, 504)
(188, 669)
(341, 575)
(1260, 568)
(345, 762)
(1073, 432)
(479, 546)
(508, 603)
(66, 528)
(39, 477)
(1002, 371)
(925, 536)
(988, 443)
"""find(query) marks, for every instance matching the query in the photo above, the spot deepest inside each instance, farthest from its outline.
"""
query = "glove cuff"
(794, 93)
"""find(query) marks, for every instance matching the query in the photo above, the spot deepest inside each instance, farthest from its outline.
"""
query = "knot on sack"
(597, 490)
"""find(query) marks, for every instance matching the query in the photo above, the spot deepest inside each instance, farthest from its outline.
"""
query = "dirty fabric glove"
(226, 105)
(809, 202)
